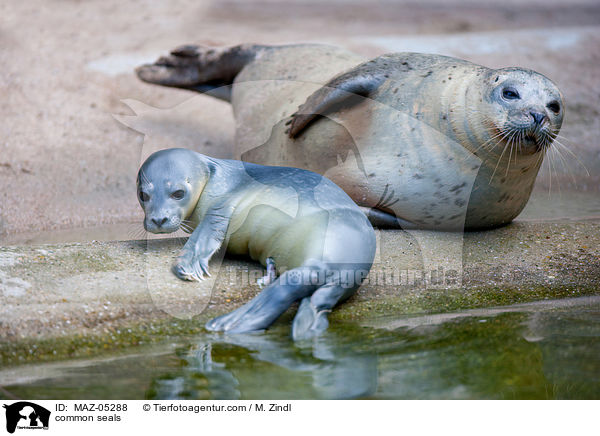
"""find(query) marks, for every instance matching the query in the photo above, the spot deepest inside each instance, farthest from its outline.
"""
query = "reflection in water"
(268, 366)
(543, 351)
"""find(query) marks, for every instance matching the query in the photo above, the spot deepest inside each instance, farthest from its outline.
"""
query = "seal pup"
(307, 227)
(459, 144)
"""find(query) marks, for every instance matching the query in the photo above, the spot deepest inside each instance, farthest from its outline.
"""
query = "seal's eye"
(144, 197)
(510, 94)
(554, 106)
(178, 195)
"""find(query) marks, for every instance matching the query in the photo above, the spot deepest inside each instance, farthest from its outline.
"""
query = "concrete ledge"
(98, 289)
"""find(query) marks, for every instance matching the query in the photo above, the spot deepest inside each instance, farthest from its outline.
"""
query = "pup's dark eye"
(144, 197)
(178, 195)
(510, 94)
(554, 106)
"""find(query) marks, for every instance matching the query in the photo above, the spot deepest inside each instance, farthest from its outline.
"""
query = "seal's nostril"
(159, 222)
(538, 117)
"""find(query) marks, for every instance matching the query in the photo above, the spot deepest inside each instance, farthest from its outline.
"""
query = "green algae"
(356, 310)
(91, 345)
(449, 300)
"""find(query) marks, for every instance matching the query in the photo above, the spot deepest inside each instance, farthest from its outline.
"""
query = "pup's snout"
(159, 221)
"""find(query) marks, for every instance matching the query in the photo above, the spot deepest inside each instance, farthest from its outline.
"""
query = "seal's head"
(525, 108)
(169, 184)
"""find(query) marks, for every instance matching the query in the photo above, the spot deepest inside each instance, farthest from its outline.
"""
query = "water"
(543, 351)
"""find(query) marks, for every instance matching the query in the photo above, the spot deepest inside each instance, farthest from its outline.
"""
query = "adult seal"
(293, 221)
(424, 141)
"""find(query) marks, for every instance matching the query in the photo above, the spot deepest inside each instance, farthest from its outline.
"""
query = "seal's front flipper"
(382, 215)
(206, 239)
(198, 68)
(359, 81)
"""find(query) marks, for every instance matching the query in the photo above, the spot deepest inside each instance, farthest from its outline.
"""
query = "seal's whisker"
(137, 232)
(513, 145)
(485, 143)
(564, 163)
(550, 168)
(496, 167)
(503, 138)
(542, 162)
(142, 234)
(499, 159)
(501, 133)
(186, 228)
(521, 139)
(567, 162)
(549, 160)
(552, 163)
(556, 135)
(562, 146)
(509, 157)
(539, 161)
(568, 150)
(509, 147)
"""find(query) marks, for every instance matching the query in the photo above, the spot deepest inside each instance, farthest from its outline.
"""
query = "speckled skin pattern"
(299, 219)
(435, 141)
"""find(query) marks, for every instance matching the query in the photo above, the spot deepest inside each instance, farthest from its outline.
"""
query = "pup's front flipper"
(191, 267)
(205, 241)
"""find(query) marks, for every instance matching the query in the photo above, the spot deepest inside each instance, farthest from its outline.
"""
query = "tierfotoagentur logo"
(25, 415)
(437, 258)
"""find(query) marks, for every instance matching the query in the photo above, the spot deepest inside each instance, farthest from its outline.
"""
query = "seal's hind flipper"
(359, 81)
(260, 312)
(199, 68)
(181, 68)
